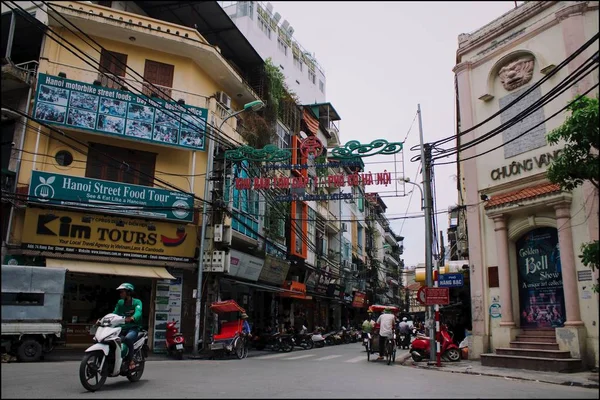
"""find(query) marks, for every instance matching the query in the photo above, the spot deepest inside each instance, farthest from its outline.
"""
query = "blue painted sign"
(451, 280)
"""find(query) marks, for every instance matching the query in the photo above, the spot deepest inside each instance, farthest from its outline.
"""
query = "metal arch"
(356, 149)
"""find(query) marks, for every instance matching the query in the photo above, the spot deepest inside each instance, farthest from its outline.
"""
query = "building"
(524, 234)
(273, 38)
(116, 202)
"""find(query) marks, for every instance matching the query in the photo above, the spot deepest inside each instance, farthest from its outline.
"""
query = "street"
(331, 372)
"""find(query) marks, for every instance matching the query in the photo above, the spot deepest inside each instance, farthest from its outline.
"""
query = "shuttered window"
(161, 76)
(112, 68)
(139, 168)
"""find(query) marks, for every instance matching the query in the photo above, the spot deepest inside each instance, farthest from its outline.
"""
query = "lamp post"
(252, 106)
(406, 179)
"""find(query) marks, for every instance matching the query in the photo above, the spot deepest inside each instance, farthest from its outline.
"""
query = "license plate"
(216, 346)
(366, 341)
(179, 347)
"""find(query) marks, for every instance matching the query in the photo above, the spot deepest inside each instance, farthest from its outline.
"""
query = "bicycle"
(390, 349)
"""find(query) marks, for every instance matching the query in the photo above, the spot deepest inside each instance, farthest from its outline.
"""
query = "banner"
(97, 109)
(167, 307)
(360, 300)
(274, 270)
(541, 294)
(245, 266)
(298, 288)
(96, 235)
(80, 192)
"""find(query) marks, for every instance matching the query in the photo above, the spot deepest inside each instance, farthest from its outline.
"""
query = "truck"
(32, 307)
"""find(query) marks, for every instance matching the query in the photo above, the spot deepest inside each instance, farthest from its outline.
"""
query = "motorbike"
(104, 358)
(273, 341)
(345, 336)
(303, 339)
(420, 347)
(356, 335)
(366, 341)
(317, 338)
(174, 341)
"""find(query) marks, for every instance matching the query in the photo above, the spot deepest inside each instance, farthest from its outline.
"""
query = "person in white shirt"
(387, 322)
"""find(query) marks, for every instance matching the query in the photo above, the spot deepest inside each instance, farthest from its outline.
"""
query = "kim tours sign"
(110, 197)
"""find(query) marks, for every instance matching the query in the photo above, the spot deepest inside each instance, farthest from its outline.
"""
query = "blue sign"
(451, 280)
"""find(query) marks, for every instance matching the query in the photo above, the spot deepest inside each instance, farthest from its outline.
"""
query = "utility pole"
(428, 209)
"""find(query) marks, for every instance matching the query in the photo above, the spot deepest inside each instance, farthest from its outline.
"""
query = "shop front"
(101, 252)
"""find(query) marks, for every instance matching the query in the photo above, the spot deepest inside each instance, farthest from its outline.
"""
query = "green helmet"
(126, 286)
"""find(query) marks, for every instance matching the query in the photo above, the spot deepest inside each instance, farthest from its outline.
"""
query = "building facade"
(524, 233)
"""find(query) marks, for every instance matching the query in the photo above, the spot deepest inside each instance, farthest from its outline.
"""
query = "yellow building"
(134, 103)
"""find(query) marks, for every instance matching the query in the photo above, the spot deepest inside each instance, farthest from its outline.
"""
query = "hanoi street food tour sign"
(110, 197)
(79, 105)
(73, 233)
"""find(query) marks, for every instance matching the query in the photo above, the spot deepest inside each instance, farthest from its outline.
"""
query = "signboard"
(80, 192)
(541, 295)
(298, 288)
(245, 266)
(451, 280)
(360, 300)
(274, 270)
(167, 307)
(98, 235)
(80, 105)
(430, 296)
(495, 310)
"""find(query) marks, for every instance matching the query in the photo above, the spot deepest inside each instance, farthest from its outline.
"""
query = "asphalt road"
(332, 372)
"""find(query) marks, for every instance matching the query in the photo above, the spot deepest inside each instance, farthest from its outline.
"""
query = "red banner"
(360, 300)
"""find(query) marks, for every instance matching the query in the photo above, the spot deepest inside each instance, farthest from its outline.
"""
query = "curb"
(565, 383)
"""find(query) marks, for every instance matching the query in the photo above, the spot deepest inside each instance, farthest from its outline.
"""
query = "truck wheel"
(30, 350)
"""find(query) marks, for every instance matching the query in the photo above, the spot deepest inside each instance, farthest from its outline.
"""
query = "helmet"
(387, 310)
(404, 319)
(126, 286)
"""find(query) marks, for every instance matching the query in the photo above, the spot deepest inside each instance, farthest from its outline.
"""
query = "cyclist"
(386, 322)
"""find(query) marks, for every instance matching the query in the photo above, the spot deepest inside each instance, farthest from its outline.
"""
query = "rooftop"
(527, 193)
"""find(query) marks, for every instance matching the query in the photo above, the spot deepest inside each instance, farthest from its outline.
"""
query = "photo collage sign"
(79, 105)
(167, 307)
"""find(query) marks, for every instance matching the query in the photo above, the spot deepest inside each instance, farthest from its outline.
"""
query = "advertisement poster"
(245, 266)
(541, 294)
(81, 105)
(167, 307)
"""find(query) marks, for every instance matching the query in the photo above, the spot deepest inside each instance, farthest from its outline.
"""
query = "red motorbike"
(174, 340)
(419, 348)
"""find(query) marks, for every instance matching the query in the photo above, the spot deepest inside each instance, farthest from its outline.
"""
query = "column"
(503, 271)
(567, 261)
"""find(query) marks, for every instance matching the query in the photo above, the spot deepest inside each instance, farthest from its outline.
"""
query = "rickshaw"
(230, 338)
(390, 346)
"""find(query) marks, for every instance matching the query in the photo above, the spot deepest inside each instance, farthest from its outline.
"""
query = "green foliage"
(578, 161)
(590, 257)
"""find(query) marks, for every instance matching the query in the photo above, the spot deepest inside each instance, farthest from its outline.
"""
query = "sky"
(381, 59)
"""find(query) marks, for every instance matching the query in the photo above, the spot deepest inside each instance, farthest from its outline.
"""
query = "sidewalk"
(586, 379)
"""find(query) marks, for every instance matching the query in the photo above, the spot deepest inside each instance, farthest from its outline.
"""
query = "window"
(298, 63)
(359, 239)
(22, 299)
(245, 8)
(282, 46)
(262, 24)
(139, 168)
(321, 86)
(105, 3)
(283, 137)
(63, 158)
(160, 75)
(312, 227)
(312, 77)
(112, 67)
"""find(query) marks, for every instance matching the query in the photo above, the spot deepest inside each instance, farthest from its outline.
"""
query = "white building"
(272, 37)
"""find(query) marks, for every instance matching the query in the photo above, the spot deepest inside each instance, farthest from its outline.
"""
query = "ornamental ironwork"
(269, 153)
(378, 146)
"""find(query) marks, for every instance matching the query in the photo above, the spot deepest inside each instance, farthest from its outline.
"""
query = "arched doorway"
(541, 294)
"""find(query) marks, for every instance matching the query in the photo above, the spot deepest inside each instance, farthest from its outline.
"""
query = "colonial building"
(529, 290)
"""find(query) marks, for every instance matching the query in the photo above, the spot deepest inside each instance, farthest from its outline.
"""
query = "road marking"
(270, 356)
(299, 357)
(328, 357)
(356, 359)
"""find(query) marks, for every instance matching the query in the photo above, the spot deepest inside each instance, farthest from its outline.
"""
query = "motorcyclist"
(404, 329)
(386, 322)
(130, 308)
(368, 324)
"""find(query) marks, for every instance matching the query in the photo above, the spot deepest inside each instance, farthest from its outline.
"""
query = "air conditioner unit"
(344, 227)
(224, 99)
(218, 233)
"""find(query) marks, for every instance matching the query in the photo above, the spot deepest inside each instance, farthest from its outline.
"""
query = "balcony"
(154, 35)
(389, 238)
(391, 260)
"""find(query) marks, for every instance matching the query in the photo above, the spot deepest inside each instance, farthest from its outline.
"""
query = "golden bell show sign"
(97, 235)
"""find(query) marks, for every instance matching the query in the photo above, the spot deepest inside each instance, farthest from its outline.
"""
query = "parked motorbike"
(345, 336)
(420, 347)
(355, 335)
(303, 339)
(317, 338)
(105, 357)
(330, 338)
(273, 341)
(174, 341)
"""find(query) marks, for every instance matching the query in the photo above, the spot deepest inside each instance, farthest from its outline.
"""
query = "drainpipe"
(7, 241)
(37, 146)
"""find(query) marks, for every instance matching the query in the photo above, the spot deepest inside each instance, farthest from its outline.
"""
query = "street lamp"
(252, 106)
(406, 179)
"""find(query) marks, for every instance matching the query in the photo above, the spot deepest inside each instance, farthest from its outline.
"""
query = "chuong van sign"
(78, 192)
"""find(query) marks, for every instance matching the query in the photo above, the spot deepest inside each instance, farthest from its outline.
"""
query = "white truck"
(32, 305)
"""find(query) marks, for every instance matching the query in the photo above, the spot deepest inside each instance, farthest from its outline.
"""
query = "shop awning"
(267, 288)
(109, 269)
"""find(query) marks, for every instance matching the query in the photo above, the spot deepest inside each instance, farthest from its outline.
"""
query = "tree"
(578, 162)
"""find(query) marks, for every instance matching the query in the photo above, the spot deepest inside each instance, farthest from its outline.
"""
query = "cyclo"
(230, 338)
(373, 343)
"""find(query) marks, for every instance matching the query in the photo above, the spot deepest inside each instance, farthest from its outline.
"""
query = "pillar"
(567, 261)
(503, 271)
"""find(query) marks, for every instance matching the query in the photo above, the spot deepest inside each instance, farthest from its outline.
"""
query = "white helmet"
(404, 319)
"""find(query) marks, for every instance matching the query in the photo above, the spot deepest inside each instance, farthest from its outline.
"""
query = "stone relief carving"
(516, 73)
